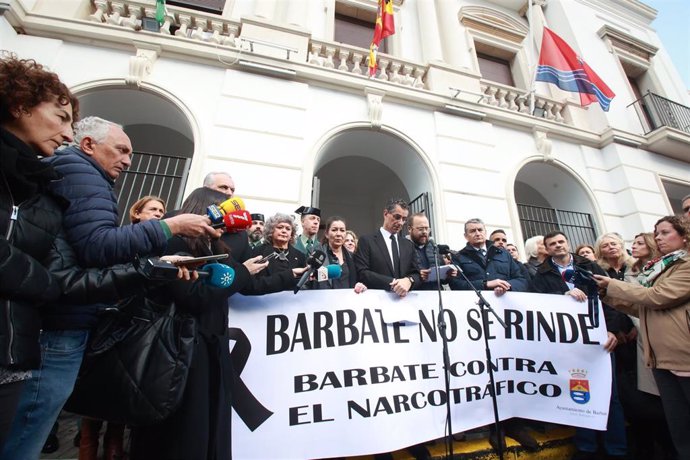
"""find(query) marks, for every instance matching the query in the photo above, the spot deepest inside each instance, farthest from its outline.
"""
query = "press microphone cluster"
(230, 215)
(314, 262)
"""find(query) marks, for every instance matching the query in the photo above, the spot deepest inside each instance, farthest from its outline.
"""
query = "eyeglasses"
(686, 209)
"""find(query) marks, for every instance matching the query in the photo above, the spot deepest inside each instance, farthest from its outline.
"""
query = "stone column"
(452, 34)
(265, 9)
(296, 12)
(428, 31)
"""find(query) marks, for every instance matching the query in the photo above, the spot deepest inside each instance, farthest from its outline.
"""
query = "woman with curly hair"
(37, 111)
(279, 236)
(661, 299)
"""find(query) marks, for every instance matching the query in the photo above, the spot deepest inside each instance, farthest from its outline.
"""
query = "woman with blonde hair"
(146, 208)
(350, 241)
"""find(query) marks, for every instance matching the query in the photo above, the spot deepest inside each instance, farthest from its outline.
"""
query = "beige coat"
(664, 312)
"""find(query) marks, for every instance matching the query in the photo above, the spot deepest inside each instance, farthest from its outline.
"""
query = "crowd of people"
(65, 259)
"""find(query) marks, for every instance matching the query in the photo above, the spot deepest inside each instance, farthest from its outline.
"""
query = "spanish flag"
(384, 27)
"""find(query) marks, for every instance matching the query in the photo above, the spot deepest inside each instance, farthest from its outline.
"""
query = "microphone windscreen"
(316, 259)
(236, 221)
(334, 271)
(232, 204)
(219, 275)
(568, 275)
(215, 214)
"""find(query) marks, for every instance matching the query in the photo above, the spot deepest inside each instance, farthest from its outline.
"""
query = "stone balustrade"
(181, 22)
(517, 100)
(355, 61)
(213, 29)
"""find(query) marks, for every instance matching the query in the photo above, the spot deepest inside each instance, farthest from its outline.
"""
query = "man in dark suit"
(383, 259)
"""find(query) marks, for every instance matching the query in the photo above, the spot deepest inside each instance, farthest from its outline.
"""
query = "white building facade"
(268, 91)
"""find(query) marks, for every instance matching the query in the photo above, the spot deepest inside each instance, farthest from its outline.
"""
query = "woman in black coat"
(279, 237)
(333, 241)
(200, 427)
(37, 111)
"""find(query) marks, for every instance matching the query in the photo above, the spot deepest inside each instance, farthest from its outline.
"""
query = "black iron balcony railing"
(656, 111)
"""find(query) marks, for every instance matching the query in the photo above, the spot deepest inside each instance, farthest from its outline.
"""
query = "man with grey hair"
(90, 222)
(237, 243)
(490, 266)
(686, 205)
(221, 182)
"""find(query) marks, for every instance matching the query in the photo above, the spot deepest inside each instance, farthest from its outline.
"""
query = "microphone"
(214, 274)
(329, 272)
(234, 221)
(232, 204)
(217, 275)
(578, 275)
(215, 212)
(568, 275)
(314, 261)
(586, 274)
(445, 249)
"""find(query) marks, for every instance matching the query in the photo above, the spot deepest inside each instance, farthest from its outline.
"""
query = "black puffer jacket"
(37, 265)
(30, 219)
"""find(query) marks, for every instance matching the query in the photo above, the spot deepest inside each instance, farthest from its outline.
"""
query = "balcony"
(666, 125)
(284, 52)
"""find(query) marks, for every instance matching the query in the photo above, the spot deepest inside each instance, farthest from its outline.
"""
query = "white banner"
(339, 374)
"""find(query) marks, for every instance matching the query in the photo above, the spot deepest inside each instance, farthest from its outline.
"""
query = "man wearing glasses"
(419, 233)
(686, 205)
(383, 259)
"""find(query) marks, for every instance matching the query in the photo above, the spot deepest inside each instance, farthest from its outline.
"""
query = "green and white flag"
(161, 11)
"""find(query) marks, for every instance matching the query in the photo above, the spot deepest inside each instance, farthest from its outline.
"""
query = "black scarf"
(26, 175)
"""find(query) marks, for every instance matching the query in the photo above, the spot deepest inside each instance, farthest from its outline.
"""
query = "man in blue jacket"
(90, 222)
(489, 266)
(486, 266)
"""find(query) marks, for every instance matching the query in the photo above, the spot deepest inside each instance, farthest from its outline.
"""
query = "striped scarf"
(656, 267)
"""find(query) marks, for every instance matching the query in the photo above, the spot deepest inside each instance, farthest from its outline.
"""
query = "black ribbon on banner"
(249, 409)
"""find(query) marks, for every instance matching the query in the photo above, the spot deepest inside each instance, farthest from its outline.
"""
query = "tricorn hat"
(305, 210)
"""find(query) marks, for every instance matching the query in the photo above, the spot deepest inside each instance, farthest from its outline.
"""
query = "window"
(495, 69)
(498, 40)
(209, 6)
(355, 26)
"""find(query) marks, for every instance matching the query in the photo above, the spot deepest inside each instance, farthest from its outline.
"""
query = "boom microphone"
(314, 261)
(329, 272)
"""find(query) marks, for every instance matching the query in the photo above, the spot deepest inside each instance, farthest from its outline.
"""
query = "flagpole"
(532, 87)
